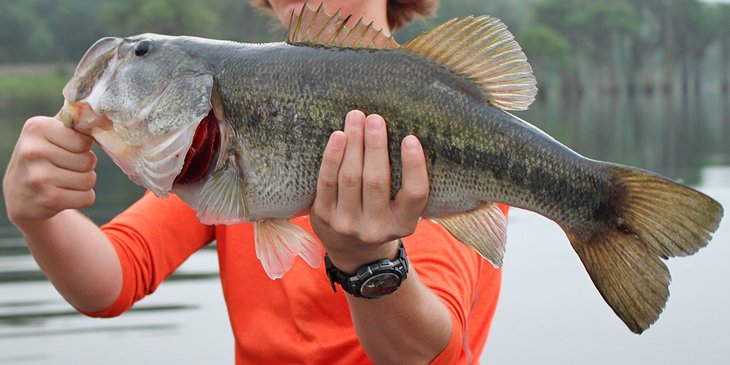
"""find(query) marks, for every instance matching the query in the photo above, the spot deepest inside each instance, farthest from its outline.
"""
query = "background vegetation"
(611, 46)
(575, 46)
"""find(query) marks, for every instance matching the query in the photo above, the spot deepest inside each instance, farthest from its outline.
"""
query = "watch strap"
(352, 283)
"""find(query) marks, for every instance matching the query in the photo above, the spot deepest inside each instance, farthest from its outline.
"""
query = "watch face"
(380, 285)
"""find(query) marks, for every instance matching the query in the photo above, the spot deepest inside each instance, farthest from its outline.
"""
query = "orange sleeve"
(466, 283)
(152, 238)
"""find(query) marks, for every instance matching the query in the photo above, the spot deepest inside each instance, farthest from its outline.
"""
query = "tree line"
(643, 46)
(612, 46)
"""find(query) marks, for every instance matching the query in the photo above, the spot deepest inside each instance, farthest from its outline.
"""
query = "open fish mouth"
(202, 152)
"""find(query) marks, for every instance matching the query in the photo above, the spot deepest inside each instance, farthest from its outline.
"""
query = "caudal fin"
(646, 218)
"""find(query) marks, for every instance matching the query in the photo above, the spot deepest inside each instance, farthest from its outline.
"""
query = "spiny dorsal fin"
(317, 27)
(484, 51)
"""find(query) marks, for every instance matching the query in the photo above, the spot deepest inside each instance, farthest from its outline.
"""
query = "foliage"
(160, 16)
(605, 41)
(17, 46)
(61, 30)
(550, 49)
(25, 95)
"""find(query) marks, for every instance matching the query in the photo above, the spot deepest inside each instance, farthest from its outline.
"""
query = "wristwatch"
(374, 280)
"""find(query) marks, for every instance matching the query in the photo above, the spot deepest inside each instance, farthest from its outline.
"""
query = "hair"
(400, 12)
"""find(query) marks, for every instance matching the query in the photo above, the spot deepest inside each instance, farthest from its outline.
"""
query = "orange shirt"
(297, 319)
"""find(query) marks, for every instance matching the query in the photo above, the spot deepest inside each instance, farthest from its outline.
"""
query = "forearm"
(77, 258)
(410, 326)
(358, 222)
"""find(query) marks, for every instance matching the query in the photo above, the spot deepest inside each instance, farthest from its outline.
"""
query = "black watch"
(374, 280)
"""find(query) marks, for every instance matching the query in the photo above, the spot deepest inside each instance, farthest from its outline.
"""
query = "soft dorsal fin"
(311, 26)
(484, 51)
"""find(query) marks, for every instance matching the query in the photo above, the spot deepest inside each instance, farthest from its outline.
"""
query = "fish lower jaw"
(80, 116)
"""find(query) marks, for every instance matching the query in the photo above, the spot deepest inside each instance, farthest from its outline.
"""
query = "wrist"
(349, 260)
(372, 280)
(28, 225)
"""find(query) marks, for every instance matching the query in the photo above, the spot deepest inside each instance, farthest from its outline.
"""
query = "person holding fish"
(433, 304)
(250, 139)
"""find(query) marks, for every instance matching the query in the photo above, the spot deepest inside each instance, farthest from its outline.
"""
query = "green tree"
(553, 14)
(645, 44)
(73, 24)
(512, 13)
(161, 16)
(547, 51)
(602, 27)
(694, 32)
(240, 21)
(23, 34)
(722, 35)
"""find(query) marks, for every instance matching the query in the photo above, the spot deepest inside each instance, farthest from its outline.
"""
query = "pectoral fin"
(484, 230)
(222, 199)
(279, 241)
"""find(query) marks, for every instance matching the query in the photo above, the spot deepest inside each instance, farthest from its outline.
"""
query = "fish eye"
(143, 47)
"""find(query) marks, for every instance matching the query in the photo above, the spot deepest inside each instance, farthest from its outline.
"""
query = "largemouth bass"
(237, 131)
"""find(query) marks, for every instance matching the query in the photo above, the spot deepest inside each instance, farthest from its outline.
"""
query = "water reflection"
(39, 316)
(675, 137)
(715, 176)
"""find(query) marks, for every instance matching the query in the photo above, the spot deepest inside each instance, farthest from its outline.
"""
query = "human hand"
(352, 213)
(51, 169)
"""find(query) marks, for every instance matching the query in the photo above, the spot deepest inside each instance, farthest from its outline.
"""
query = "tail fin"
(646, 218)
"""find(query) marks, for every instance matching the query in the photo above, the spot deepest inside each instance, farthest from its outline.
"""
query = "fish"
(237, 131)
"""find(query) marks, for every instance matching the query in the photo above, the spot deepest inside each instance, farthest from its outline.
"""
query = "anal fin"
(484, 230)
(279, 241)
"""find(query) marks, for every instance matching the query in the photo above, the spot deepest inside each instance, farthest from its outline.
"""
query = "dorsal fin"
(484, 51)
(311, 27)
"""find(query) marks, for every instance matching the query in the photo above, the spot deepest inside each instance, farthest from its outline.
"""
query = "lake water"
(549, 311)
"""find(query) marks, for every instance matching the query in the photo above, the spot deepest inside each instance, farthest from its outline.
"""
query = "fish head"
(147, 102)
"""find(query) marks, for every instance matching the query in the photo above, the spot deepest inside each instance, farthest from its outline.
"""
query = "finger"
(349, 194)
(376, 169)
(60, 199)
(413, 195)
(334, 152)
(79, 162)
(72, 180)
(60, 135)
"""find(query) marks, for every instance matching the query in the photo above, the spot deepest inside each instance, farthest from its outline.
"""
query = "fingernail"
(354, 119)
(374, 124)
(337, 140)
(411, 143)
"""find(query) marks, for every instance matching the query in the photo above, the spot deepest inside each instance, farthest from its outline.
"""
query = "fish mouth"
(202, 152)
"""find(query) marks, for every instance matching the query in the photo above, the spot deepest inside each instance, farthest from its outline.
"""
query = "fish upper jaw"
(102, 56)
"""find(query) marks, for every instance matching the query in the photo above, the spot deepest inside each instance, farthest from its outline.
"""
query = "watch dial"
(380, 285)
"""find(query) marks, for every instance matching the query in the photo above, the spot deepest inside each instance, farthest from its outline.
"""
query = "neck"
(370, 11)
